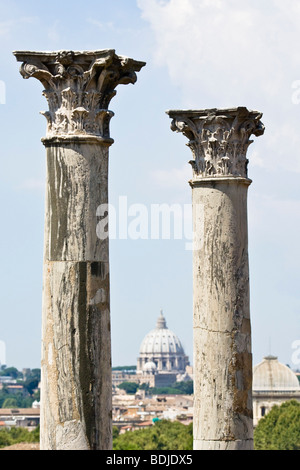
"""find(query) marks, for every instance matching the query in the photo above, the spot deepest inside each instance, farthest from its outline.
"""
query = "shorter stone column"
(219, 139)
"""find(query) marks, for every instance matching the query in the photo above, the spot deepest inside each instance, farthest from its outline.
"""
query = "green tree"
(186, 388)
(10, 402)
(129, 387)
(177, 388)
(16, 435)
(32, 380)
(280, 428)
(19, 401)
(31, 384)
(36, 373)
(11, 372)
(164, 391)
(163, 435)
(144, 386)
(3, 395)
(115, 432)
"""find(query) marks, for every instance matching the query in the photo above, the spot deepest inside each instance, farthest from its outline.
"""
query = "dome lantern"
(161, 321)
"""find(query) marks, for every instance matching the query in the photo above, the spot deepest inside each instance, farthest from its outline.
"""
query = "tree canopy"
(15, 435)
(280, 428)
(129, 387)
(11, 372)
(24, 398)
(163, 435)
(177, 388)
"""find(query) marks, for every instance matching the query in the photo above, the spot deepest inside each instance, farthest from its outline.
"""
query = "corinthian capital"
(219, 139)
(78, 87)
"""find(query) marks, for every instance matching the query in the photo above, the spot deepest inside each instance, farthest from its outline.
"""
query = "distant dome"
(272, 375)
(163, 348)
(161, 340)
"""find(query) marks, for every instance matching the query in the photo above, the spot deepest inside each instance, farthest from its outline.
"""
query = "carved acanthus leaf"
(79, 87)
(218, 139)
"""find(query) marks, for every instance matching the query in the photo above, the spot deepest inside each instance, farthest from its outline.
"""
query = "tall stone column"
(219, 139)
(76, 408)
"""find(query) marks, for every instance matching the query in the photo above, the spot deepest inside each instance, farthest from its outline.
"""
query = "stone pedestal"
(219, 140)
(76, 408)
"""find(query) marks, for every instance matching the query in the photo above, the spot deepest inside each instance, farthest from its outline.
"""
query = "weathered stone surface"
(77, 184)
(76, 356)
(218, 138)
(79, 87)
(223, 445)
(222, 331)
(76, 409)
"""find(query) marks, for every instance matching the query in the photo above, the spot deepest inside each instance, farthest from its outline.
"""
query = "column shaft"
(222, 332)
(76, 350)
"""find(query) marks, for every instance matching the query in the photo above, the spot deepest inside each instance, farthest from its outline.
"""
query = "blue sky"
(199, 54)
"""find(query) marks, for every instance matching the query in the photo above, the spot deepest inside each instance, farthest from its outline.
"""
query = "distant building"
(161, 361)
(7, 379)
(273, 384)
(131, 412)
(161, 357)
(20, 417)
(162, 348)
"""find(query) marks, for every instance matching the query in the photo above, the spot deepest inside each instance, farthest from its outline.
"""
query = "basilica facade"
(161, 351)
(161, 361)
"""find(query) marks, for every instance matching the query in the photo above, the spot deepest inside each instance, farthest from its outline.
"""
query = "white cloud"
(8, 27)
(257, 160)
(234, 53)
(174, 178)
(111, 27)
(53, 31)
(104, 26)
(277, 209)
(226, 48)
